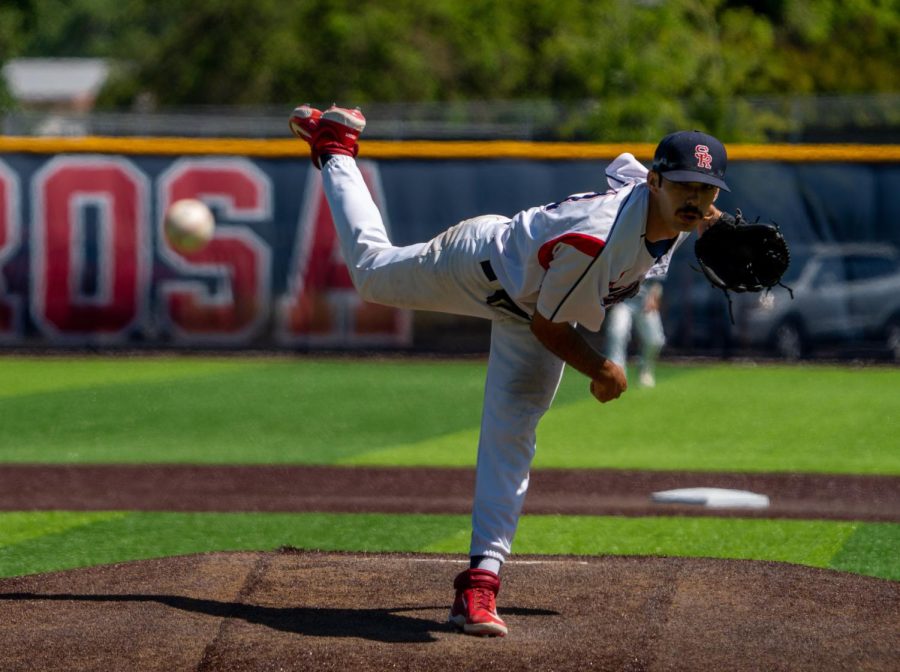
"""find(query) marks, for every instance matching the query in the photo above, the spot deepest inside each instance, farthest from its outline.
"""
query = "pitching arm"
(562, 339)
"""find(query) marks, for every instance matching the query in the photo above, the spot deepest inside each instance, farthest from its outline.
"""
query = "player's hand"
(610, 384)
(651, 304)
(709, 218)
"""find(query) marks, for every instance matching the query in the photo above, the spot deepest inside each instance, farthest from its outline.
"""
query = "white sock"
(489, 563)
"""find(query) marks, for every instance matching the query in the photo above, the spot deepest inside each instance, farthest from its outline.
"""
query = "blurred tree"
(204, 52)
(831, 46)
(652, 65)
(67, 28)
(842, 47)
(12, 22)
(442, 50)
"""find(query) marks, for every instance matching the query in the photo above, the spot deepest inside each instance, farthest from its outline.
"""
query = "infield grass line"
(23, 376)
(21, 526)
(873, 549)
(79, 539)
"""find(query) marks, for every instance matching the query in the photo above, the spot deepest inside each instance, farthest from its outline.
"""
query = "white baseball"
(189, 225)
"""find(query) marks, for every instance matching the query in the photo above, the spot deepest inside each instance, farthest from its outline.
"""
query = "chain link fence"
(864, 118)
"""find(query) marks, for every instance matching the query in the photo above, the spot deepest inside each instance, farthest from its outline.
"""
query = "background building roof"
(51, 80)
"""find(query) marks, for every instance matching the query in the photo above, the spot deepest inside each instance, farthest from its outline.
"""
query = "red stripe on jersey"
(583, 243)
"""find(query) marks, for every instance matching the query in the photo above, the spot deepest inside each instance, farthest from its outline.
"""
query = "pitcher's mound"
(290, 610)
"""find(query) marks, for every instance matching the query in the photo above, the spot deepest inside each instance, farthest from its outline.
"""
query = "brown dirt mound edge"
(292, 610)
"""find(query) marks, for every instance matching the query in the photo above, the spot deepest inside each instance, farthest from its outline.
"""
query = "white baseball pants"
(445, 275)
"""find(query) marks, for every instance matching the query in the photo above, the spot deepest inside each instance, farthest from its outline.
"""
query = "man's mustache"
(690, 210)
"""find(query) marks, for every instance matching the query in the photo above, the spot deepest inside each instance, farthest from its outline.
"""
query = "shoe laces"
(482, 598)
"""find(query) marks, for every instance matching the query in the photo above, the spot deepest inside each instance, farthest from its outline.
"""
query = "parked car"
(843, 294)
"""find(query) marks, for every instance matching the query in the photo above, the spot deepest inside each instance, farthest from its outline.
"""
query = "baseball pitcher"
(535, 276)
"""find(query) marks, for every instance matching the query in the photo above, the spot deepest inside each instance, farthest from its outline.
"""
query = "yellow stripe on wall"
(432, 149)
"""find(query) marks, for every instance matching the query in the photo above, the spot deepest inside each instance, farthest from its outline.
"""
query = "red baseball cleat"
(474, 610)
(335, 131)
(304, 121)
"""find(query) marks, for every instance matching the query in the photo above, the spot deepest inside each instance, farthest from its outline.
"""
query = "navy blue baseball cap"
(691, 156)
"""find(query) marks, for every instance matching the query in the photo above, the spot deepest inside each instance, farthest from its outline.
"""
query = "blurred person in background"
(639, 315)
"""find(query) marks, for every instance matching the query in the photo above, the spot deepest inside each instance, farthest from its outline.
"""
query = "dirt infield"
(309, 611)
(424, 490)
(292, 610)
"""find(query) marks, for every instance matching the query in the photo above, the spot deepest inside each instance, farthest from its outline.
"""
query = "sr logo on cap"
(691, 156)
(704, 158)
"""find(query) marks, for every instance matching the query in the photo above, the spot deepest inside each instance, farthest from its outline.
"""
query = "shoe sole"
(301, 114)
(344, 117)
(299, 132)
(479, 629)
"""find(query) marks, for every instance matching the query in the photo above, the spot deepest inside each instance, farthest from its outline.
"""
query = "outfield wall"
(84, 262)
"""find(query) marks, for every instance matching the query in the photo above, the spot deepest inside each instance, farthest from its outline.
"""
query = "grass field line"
(19, 527)
(513, 560)
(106, 537)
(28, 376)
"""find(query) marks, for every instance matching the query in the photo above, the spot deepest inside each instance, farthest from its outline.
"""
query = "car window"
(831, 272)
(861, 267)
(799, 260)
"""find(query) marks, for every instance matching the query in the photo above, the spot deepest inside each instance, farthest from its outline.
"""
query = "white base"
(716, 498)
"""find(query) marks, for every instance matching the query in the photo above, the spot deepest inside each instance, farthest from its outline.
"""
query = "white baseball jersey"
(570, 260)
(567, 260)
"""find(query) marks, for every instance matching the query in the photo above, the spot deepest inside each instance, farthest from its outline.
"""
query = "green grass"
(258, 410)
(355, 412)
(223, 411)
(68, 540)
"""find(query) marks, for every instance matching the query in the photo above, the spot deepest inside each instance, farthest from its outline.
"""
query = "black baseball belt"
(500, 299)
(488, 270)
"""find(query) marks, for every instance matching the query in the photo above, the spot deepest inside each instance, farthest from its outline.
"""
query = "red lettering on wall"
(10, 237)
(77, 199)
(224, 291)
(321, 305)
